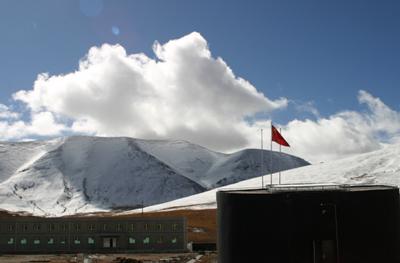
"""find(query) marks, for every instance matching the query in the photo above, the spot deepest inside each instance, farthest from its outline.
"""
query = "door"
(315, 232)
(324, 251)
(325, 234)
(109, 242)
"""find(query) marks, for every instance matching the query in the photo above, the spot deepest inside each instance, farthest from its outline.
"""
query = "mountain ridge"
(84, 174)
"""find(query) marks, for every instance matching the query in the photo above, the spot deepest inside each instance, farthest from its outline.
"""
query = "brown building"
(92, 234)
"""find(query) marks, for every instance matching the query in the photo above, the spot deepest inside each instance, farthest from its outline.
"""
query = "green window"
(77, 241)
(159, 227)
(10, 227)
(77, 227)
(64, 227)
(90, 240)
(132, 240)
(23, 241)
(36, 227)
(25, 228)
(10, 241)
(174, 240)
(36, 241)
(62, 240)
(119, 227)
(146, 227)
(146, 240)
(160, 240)
(175, 227)
(50, 241)
(92, 227)
(132, 227)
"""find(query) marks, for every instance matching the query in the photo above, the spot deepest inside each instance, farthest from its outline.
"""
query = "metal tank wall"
(352, 226)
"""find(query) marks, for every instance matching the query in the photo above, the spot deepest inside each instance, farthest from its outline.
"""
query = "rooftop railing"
(307, 187)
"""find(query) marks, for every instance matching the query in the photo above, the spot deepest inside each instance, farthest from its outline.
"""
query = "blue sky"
(315, 53)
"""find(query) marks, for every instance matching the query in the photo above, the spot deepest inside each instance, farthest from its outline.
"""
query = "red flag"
(277, 137)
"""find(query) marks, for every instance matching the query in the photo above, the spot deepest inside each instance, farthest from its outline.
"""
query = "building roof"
(284, 188)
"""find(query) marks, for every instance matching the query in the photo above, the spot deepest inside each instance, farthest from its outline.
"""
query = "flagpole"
(276, 136)
(280, 153)
(262, 158)
(270, 156)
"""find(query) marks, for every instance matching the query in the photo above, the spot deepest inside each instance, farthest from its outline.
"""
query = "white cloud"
(44, 124)
(307, 107)
(186, 93)
(41, 124)
(6, 113)
(382, 119)
(345, 133)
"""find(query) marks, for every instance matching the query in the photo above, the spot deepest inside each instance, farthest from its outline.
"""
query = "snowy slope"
(84, 174)
(378, 167)
(190, 160)
(212, 169)
(14, 156)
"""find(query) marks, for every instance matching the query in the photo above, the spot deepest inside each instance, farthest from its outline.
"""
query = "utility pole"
(262, 161)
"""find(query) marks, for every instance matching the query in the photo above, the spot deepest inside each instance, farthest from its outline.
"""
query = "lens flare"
(115, 30)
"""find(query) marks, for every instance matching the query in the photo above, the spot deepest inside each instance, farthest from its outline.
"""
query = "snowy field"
(378, 167)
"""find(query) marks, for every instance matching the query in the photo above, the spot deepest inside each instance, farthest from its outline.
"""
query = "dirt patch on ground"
(112, 258)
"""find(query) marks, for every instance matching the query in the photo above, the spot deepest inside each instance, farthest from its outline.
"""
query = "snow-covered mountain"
(85, 174)
(212, 169)
(377, 167)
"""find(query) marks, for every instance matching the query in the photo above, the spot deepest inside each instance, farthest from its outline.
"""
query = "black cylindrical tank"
(309, 224)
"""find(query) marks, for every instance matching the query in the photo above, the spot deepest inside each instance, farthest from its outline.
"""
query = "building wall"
(350, 226)
(58, 235)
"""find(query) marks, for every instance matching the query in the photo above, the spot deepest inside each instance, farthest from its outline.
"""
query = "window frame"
(92, 227)
(64, 227)
(77, 240)
(51, 227)
(131, 240)
(91, 239)
(23, 241)
(36, 227)
(11, 241)
(48, 241)
(146, 240)
(63, 241)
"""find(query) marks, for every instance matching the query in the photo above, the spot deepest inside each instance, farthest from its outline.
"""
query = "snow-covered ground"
(378, 167)
(87, 174)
